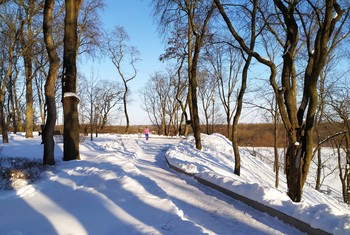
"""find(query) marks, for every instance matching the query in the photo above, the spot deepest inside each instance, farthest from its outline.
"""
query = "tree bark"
(12, 101)
(69, 81)
(48, 141)
(27, 41)
(126, 89)
(347, 168)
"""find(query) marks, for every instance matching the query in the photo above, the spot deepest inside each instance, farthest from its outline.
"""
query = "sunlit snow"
(123, 185)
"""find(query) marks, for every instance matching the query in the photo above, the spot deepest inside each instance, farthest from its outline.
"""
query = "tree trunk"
(347, 167)
(69, 83)
(189, 69)
(195, 116)
(41, 100)
(126, 109)
(237, 170)
(48, 141)
(12, 101)
(29, 105)
(275, 147)
(27, 41)
(319, 170)
(18, 116)
(193, 67)
(5, 138)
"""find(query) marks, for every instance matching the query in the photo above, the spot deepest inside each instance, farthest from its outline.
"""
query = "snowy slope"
(215, 164)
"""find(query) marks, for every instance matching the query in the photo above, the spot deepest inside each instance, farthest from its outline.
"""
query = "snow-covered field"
(123, 185)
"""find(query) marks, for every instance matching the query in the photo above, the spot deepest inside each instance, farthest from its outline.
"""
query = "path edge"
(298, 224)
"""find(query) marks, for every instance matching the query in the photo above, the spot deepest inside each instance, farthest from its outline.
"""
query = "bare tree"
(177, 50)
(339, 115)
(88, 91)
(206, 93)
(253, 35)
(124, 58)
(197, 15)
(226, 65)
(156, 97)
(108, 95)
(9, 38)
(196, 35)
(29, 33)
(299, 122)
(90, 32)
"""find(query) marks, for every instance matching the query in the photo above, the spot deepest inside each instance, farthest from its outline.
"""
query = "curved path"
(214, 212)
(123, 186)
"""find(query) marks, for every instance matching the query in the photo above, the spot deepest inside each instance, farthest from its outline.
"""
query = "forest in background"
(249, 135)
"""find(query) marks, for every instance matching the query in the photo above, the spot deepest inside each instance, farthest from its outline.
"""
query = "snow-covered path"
(214, 212)
(122, 185)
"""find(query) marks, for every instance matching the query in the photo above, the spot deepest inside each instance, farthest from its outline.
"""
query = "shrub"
(17, 172)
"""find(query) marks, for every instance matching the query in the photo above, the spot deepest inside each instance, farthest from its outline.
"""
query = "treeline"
(249, 135)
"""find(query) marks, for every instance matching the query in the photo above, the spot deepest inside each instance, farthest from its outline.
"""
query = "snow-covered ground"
(123, 185)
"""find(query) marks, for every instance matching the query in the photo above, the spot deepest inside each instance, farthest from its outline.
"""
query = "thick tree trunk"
(69, 86)
(195, 115)
(190, 79)
(27, 41)
(48, 141)
(29, 108)
(71, 128)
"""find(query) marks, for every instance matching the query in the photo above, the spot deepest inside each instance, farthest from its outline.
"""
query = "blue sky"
(136, 17)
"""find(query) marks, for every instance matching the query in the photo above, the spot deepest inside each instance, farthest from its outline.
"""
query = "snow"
(71, 94)
(122, 185)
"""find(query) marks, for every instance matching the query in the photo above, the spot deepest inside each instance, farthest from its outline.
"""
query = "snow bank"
(215, 164)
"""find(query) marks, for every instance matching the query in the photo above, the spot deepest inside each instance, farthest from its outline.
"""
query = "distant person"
(146, 132)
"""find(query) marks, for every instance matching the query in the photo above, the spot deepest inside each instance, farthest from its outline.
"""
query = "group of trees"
(41, 43)
(224, 48)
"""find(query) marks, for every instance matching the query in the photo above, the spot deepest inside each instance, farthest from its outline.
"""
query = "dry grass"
(17, 172)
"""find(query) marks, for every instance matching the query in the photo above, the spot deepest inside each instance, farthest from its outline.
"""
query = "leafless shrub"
(16, 172)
